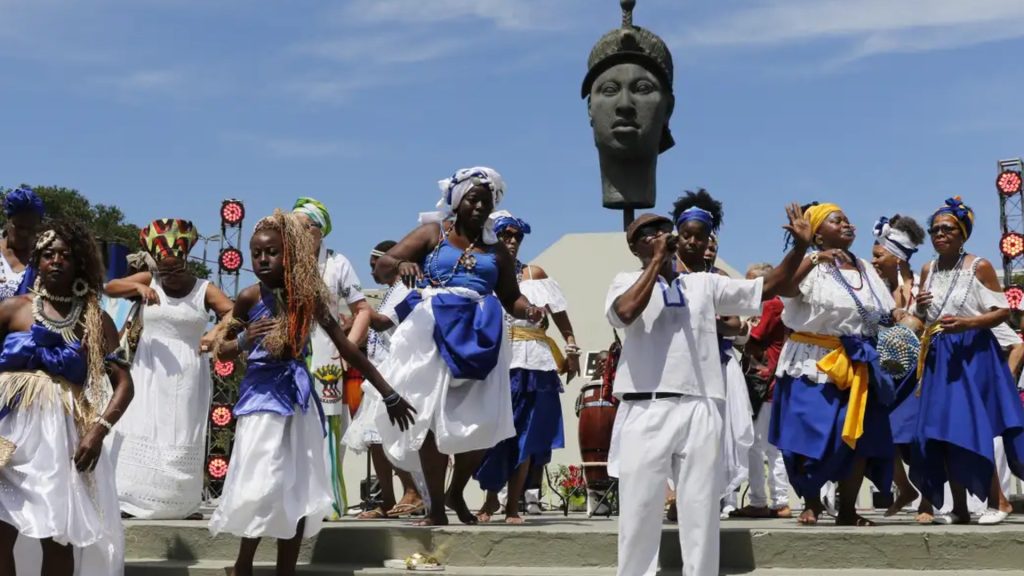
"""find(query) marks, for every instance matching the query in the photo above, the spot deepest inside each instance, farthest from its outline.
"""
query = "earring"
(80, 288)
(962, 250)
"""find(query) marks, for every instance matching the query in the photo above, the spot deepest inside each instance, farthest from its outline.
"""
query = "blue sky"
(165, 107)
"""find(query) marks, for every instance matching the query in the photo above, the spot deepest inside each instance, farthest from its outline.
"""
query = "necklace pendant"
(469, 261)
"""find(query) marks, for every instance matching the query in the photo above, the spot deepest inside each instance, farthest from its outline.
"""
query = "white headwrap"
(895, 242)
(454, 188)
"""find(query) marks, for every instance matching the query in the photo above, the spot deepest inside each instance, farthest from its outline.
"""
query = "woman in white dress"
(449, 355)
(160, 445)
(56, 479)
(24, 211)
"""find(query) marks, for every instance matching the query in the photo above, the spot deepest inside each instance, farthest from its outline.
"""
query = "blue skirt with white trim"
(968, 398)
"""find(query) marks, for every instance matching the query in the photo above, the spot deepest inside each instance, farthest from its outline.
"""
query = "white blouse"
(969, 297)
(825, 307)
(533, 354)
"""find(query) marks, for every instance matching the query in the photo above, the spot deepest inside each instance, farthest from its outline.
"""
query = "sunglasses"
(508, 235)
(653, 230)
(944, 229)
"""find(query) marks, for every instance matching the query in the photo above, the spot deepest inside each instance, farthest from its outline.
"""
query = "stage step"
(206, 568)
(553, 542)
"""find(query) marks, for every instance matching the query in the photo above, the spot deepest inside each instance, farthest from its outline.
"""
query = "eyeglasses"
(944, 229)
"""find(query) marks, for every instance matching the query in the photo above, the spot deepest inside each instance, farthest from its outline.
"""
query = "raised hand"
(798, 227)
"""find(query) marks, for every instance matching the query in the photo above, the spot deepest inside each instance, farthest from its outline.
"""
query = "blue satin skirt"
(807, 426)
(903, 417)
(968, 398)
(537, 410)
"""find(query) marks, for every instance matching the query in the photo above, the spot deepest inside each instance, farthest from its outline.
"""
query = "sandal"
(375, 514)
(407, 509)
(416, 563)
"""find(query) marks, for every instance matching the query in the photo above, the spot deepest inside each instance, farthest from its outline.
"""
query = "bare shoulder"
(536, 272)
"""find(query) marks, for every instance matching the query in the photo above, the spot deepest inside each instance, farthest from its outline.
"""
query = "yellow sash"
(926, 344)
(525, 334)
(846, 375)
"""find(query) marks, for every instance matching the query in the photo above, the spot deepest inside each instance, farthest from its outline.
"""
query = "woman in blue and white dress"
(24, 211)
(536, 386)
(449, 356)
(967, 395)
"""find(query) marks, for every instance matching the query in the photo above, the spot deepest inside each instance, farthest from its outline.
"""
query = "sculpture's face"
(629, 109)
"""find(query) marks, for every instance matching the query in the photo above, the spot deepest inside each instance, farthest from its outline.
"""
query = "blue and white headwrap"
(454, 188)
(22, 200)
(895, 242)
(701, 215)
(504, 219)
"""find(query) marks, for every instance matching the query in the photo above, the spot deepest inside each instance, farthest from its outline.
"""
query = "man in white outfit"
(669, 380)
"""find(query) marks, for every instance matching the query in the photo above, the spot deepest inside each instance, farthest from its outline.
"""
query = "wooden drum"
(597, 416)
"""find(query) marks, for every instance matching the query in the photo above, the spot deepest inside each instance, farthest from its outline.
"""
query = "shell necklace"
(65, 326)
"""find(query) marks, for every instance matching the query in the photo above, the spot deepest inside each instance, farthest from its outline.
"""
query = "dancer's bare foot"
(458, 504)
(903, 499)
(431, 520)
(925, 518)
(514, 520)
(809, 517)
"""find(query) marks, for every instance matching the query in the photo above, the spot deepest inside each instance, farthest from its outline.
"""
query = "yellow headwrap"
(818, 214)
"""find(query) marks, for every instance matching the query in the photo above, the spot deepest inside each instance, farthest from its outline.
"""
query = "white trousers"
(761, 451)
(656, 440)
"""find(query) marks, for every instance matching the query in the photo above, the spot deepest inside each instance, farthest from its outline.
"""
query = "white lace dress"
(162, 437)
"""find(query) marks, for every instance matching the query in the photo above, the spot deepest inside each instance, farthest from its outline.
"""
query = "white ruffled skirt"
(465, 415)
(277, 476)
(738, 429)
(43, 495)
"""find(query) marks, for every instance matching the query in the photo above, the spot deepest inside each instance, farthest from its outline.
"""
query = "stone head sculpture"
(628, 88)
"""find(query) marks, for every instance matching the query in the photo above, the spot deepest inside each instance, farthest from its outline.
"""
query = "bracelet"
(392, 399)
(103, 422)
(240, 339)
(815, 257)
(572, 350)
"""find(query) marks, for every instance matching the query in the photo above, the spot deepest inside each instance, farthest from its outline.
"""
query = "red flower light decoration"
(220, 416)
(1009, 182)
(232, 212)
(1015, 296)
(231, 260)
(224, 368)
(1012, 245)
(218, 467)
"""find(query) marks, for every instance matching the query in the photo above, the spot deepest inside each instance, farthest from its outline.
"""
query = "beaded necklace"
(871, 318)
(467, 261)
(957, 271)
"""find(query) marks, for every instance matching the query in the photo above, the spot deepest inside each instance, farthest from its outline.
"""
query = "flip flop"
(375, 514)
(407, 509)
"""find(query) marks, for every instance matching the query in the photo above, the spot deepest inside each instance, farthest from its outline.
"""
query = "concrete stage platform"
(576, 546)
